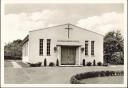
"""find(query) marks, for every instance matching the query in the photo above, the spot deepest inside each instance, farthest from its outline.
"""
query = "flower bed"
(76, 78)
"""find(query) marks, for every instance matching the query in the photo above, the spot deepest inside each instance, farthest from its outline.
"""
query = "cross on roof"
(68, 29)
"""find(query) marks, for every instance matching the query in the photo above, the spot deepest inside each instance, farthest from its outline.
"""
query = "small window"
(41, 47)
(86, 47)
(48, 46)
(92, 47)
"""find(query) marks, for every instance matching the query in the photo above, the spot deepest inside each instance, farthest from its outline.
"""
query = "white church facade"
(68, 43)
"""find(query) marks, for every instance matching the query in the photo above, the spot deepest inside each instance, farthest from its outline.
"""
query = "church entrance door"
(68, 55)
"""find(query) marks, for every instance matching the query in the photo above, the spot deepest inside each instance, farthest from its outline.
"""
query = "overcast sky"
(100, 18)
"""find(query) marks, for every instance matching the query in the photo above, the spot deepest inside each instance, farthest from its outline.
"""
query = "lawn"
(8, 63)
(48, 75)
(104, 80)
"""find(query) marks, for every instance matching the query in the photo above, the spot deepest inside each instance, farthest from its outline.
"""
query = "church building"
(67, 43)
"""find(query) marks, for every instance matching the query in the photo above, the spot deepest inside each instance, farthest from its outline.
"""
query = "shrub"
(57, 62)
(83, 62)
(76, 79)
(39, 63)
(94, 63)
(73, 80)
(99, 63)
(51, 64)
(107, 73)
(89, 63)
(117, 58)
(102, 73)
(35, 64)
(45, 62)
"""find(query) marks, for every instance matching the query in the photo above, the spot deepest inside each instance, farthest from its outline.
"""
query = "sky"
(100, 18)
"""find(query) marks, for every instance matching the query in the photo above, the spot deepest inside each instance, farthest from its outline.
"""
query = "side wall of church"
(25, 52)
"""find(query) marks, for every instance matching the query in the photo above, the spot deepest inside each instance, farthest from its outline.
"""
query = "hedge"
(76, 78)
(51, 64)
(35, 64)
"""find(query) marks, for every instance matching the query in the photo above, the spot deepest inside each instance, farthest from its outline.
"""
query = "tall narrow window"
(48, 46)
(92, 47)
(41, 47)
(86, 47)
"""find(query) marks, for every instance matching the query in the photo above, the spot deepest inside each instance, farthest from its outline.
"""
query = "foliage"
(35, 64)
(83, 62)
(89, 63)
(13, 50)
(45, 62)
(99, 63)
(73, 80)
(113, 42)
(76, 78)
(51, 64)
(94, 63)
(115, 58)
(57, 62)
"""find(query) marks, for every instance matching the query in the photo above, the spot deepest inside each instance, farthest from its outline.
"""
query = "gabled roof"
(67, 24)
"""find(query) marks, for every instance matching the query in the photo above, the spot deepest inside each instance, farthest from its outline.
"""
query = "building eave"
(67, 24)
(26, 39)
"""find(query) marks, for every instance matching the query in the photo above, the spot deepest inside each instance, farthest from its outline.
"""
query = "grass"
(22, 64)
(104, 80)
(48, 75)
(8, 63)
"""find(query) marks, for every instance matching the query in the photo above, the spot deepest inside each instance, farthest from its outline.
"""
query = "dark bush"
(51, 64)
(45, 62)
(122, 72)
(96, 74)
(73, 80)
(94, 63)
(107, 73)
(76, 79)
(83, 62)
(99, 63)
(57, 62)
(89, 63)
(102, 73)
(35, 64)
(117, 58)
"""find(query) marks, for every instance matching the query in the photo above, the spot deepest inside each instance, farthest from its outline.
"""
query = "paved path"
(15, 65)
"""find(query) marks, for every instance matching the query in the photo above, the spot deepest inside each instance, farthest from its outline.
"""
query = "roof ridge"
(67, 24)
(87, 30)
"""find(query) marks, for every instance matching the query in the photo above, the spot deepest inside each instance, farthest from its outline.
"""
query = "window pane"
(86, 47)
(48, 46)
(92, 47)
(41, 47)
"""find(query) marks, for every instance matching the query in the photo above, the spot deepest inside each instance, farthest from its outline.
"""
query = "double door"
(68, 55)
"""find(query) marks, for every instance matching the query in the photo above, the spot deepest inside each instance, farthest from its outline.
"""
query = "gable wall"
(59, 33)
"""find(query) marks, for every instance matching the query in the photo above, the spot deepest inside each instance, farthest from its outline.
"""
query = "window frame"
(86, 48)
(48, 47)
(41, 48)
(92, 48)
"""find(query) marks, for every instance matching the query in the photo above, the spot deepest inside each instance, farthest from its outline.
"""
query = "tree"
(113, 43)
(94, 63)
(45, 62)
(57, 62)
(13, 50)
